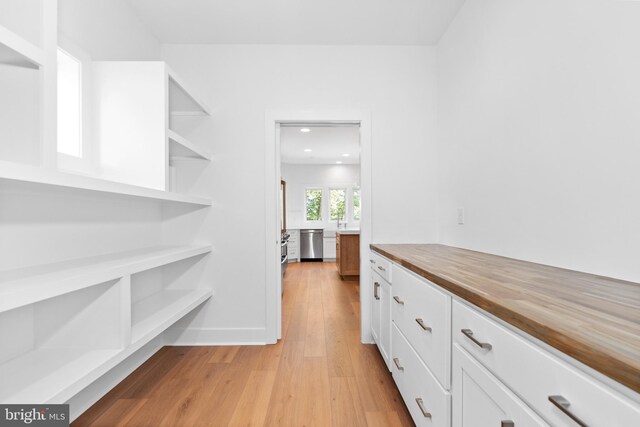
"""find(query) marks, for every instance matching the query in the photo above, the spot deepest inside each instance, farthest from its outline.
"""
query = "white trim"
(100, 387)
(87, 163)
(215, 336)
(273, 284)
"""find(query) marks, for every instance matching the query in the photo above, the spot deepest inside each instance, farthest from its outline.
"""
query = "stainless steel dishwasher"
(311, 245)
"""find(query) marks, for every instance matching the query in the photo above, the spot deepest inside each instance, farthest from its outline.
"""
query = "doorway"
(317, 205)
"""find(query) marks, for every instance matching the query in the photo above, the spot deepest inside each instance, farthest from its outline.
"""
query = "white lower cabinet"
(481, 400)
(557, 391)
(293, 249)
(454, 363)
(329, 248)
(428, 403)
(375, 308)
(381, 316)
(385, 321)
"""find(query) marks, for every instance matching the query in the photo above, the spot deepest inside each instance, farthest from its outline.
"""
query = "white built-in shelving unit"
(47, 179)
(78, 319)
(150, 96)
(182, 147)
(69, 319)
(17, 51)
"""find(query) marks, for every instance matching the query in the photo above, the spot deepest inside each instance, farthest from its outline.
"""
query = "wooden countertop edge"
(583, 352)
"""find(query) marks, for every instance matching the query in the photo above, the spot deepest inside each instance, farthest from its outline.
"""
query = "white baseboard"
(94, 392)
(215, 336)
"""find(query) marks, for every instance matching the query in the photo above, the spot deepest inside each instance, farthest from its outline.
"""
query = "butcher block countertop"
(593, 319)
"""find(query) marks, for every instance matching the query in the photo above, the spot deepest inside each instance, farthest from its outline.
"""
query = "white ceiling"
(327, 145)
(332, 22)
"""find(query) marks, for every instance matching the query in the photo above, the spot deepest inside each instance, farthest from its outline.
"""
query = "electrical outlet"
(460, 216)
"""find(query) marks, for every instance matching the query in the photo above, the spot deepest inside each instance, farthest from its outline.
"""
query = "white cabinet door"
(375, 307)
(481, 400)
(329, 248)
(385, 321)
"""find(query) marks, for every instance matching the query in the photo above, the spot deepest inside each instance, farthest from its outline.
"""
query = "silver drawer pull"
(507, 424)
(397, 363)
(422, 325)
(376, 287)
(398, 300)
(420, 403)
(372, 261)
(563, 404)
(381, 268)
(469, 334)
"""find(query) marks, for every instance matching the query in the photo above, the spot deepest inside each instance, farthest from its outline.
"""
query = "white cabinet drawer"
(423, 314)
(536, 375)
(428, 403)
(380, 265)
(480, 400)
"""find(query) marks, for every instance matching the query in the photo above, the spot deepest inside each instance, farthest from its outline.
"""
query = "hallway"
(319, 374)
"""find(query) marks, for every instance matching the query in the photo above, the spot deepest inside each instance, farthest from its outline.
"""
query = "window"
(313, 202)
(337, 204)
(69, 105)
(356, 204)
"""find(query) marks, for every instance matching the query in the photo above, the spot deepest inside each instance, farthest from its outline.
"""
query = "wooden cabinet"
(348, 254)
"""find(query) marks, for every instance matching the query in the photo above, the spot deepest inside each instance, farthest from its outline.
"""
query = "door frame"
(273, 278)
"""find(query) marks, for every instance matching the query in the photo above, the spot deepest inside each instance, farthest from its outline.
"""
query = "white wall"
(539, 132)
(301, 177)
(396, 84)
(107, 30)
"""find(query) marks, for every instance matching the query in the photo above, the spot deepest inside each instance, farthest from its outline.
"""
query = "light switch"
(460, 216)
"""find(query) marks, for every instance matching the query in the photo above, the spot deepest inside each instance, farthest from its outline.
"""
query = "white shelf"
(154, 314)
(182, 100)
(50, 375)
(182, 147)
(32, 174)
(15, 50)
(30, 285)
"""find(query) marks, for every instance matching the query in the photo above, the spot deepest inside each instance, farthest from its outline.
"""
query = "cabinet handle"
(397, 362)
(398, 300)
(469, 334)
(376, 286)
(507, 424)
(563, 404)
(422, 325)
(420, 403)
(372, 261)
(381, 268)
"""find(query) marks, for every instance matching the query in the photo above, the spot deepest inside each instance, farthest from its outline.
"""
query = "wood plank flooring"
(319, 374)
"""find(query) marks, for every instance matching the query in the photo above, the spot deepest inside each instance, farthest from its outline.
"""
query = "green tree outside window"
(356, 204)
(314, 204)
(338, 203)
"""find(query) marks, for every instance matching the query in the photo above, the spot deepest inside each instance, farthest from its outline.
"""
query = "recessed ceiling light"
(338, 162)
(346, 155)
(305, 130)
(307, 150)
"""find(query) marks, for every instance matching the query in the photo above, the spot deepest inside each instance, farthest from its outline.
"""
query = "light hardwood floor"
(319, 374)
